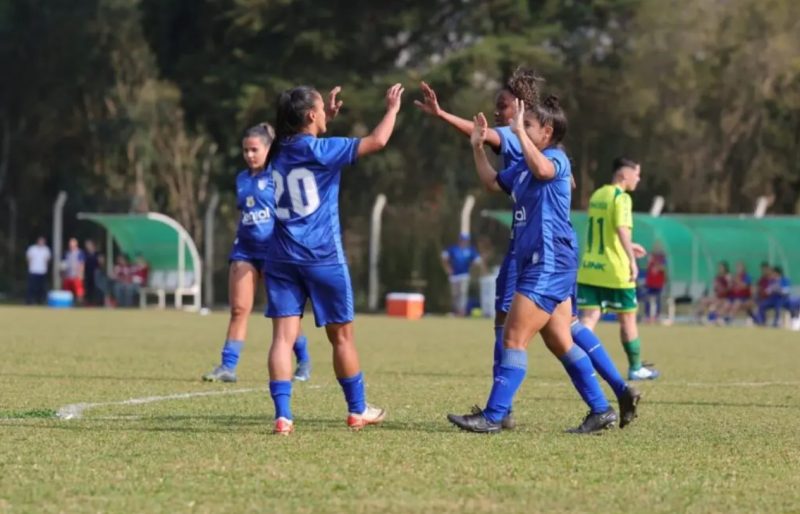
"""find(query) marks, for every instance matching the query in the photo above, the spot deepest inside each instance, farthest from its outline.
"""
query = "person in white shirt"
(38, 256)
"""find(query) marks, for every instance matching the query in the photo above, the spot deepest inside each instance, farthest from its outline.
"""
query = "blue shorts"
(244, 253)
(548, 289)
(506, 283)
(328, 286)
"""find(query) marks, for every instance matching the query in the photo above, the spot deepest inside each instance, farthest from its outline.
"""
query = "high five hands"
(332, 109)
(429, 103)
(393, 96)
(479, 129)
(517, 122)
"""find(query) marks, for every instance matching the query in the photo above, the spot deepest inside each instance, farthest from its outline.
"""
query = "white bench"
(163, 282)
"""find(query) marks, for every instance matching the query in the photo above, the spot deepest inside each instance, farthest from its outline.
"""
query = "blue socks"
(301, 349)
(281, 392)
(230, 353)
(601, 361)
(580, 370)
(510, 374)
(353, 388)
(498, 350)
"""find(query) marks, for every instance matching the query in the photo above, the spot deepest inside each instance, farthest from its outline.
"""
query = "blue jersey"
(543, 233)
(307, 171)
(461, 258)
(255, 198)
(510, 148)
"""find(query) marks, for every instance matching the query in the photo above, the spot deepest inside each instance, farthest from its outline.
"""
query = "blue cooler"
(60, 299)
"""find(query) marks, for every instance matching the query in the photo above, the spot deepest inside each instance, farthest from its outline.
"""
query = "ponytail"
(266, 134)
(549, 112)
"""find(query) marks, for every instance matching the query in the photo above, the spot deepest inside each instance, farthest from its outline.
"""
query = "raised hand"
(332, 109)
(479, 128)
(517, 123)
(393, 96)
(429, 104)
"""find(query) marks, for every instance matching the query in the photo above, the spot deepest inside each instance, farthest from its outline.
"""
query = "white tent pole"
(466, 213)
(374, 250)
(58, 242)
(657, 207)
(208, 239)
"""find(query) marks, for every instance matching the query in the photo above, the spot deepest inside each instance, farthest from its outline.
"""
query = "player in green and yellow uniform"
(608, 270)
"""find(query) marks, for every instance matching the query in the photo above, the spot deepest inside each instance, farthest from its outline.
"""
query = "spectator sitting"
(655, 280)
(123, 288)
(711, 306)
(139, 274)
(740, 293)
(38, 257)
(777, 297)
(760, 290)
(457, 261)
(72, 270)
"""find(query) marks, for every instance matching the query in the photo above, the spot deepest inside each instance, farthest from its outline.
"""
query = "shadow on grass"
(217, 424)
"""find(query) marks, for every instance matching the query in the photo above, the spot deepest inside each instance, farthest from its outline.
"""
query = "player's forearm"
(624, 234)
(486, 173)
(541, 167)
(380, 135)
(466, 126)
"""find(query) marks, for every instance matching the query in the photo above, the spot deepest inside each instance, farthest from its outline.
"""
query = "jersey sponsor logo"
(591, 265)
(255, 217)
(262, 184)
(520, 215)
(250, 202)
(596, 204)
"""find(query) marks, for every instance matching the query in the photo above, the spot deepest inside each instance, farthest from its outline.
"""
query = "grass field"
(718, 433)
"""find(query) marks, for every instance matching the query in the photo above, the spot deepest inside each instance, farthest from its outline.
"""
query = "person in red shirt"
(654, 282)
(711, 306)
(741, 292)
(139, 271)
(760, 291)
(123, 282)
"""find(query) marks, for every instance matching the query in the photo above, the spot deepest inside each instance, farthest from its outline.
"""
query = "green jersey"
(604, 262)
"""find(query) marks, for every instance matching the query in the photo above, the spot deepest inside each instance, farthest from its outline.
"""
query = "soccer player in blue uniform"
(547, 260)
(457, 260)
(306, 260)
(255, 198)
(523, 85)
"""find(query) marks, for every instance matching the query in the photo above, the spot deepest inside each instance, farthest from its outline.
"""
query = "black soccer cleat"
(595, 423)
(508, 423)
(476, 423)
(627, 406)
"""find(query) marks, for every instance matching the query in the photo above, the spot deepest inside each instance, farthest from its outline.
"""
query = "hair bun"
(552, 102)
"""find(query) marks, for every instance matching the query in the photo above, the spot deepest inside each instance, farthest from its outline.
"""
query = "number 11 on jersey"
(601, 248)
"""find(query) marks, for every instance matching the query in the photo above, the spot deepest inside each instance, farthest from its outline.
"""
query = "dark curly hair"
(524, 84)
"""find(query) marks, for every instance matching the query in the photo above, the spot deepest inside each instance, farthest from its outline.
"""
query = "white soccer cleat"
(370, 416)
(283, 426)
(644, 373)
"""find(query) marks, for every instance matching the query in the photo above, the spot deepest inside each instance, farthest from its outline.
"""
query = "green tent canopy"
(695, 244)
(169, 250)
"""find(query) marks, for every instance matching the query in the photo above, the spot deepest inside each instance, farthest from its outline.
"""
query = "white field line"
(76, 410)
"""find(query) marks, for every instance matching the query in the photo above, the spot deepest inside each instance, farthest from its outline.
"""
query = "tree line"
(137, 105)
